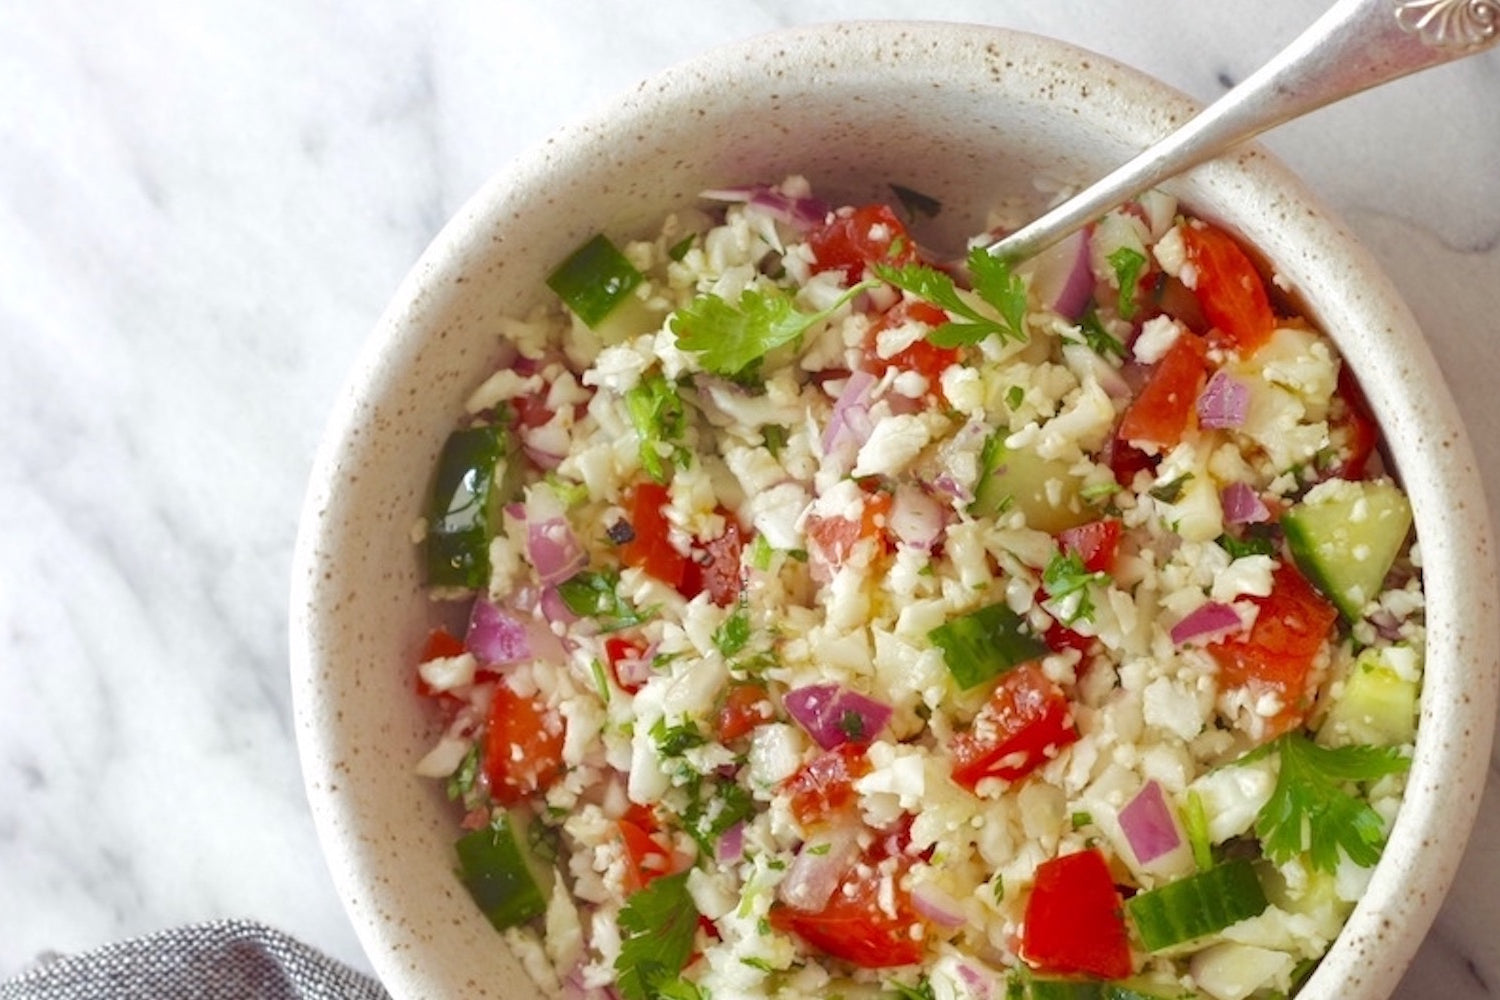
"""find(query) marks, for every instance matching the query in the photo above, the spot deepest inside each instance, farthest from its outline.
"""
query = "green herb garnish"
(1250, 545)
(660, 419)
(1066, 576)
(657, 927)
(1311, 809)
(731, 636)
(1128, 263)
(1100, 340)
(993, 282)
(592, 594)
(1171, 492)
(730, 339)
(676, 739)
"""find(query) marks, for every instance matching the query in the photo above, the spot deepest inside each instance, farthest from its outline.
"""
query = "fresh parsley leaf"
(1099, 340)
(679, 249)
(1311, 808)
(714, 805)
(660, 419)
(921, 991)
(729, 339)
(463, 783)
(758, 963)
(677, 739)
(1014, 397)
(993, 282)
(774, 437)
(1171, 492)
(592, 594)
(915, 202)
(1066, 576)
(731, 636)
(1250, 545)
(657, 927)
(1128, 263)
(601, 683)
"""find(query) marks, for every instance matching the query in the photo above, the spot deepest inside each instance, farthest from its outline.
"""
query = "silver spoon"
(1356, 45)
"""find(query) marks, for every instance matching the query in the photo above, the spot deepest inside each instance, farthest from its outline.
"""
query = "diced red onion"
(850, 420)
(1062, 277)
(1206, 622)
(496, 637)
(833, 715)
(1148, 824)
(731, 847)
(802, 213)
(981, 985)
(554, 550)
(916, 519)
(932, 902)
(555, 609)
(1243, 505)
(817, 869)
(1224, 402)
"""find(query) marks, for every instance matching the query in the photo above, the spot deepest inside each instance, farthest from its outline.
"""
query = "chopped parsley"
(1311, 808)
(921, 991)
(1014, 397)
(657, 412)
(592, 594)
(732, 636)
(715, 804)
(679, 249)
(1171, 492)
(677, 739)
(1128, 263)
(463, 783)
(994, 283)
(1100, 340)
(1066, 576)
(730, 339)
(1250, 545)
(774, 437)
(657, 928)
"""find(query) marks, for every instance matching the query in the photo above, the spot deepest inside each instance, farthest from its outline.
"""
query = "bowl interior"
(967, 115)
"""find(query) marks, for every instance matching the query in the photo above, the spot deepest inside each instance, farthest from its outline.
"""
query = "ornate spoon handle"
(1356, 45)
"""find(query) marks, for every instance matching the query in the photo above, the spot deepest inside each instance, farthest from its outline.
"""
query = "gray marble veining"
(202, 211)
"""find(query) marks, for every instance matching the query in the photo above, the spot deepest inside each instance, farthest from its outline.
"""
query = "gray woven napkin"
(222, 960)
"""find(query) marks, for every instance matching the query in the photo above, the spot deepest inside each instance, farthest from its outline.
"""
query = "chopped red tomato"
(921, 355)
(1352, 427)
(854, 926)
(1276, 654)
(1165, 408)
(523, 744)
(824, 786)
(836, 537)
(1025, 721)
(1096, 543)
(715, 566)
(651, 549)
(746, 705)
(645, 858)
(1229, 288)
(870, 234)
(1074, 923)
(625, 656)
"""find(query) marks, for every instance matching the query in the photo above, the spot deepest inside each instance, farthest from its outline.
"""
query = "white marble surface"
(204, 206)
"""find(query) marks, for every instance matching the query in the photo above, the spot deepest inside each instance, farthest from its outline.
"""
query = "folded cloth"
(221, 960)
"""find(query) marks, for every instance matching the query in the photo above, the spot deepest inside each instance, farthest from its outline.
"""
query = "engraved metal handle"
(1356, 45)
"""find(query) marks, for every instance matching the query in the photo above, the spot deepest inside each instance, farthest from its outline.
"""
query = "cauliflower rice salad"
(830, 623)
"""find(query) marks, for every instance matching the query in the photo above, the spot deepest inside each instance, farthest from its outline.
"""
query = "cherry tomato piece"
(1229, 287)
(1166, 406)
(1026, 719)
(854, 926)
(651, 549)
(746, 705)
(869, 234)
(824, 786)
(1074, 923)
(523, 746)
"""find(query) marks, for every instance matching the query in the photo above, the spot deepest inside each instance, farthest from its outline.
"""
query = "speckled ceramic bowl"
(968, 115)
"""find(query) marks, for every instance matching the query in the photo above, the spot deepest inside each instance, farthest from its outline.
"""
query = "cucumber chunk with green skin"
(1378, 706)
(594, 280)
(983, 644)
(1345, 537)
(1065, 989)
(1045, 490)
(1194, 907)
(500, 869)
(477, 474)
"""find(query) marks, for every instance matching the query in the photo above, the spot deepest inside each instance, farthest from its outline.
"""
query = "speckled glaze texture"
(970, 115)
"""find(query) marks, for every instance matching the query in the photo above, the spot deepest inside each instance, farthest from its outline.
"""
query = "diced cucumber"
(1142, 989)
(1065, 989)
(1378, 706)
(501, 871)
(1194, 907)
(1046, 491)
(477, 474)
(594, 280)
(1345, 537)
(983, 644)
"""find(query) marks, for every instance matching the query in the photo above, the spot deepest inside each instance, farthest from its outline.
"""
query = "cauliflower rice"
(837, 628)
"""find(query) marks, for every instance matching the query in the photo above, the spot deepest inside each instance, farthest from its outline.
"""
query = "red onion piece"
(850, 420)
(1224, 402)
(1062, 277)
(555, 609)
(496, 637)
(916, 519)
(731, 846)
(554, 550)
(833, 715)
(1243, 505)
(818, 868)
(1207, 622)
(1148, 824)
(932, 902)
(801, 213)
